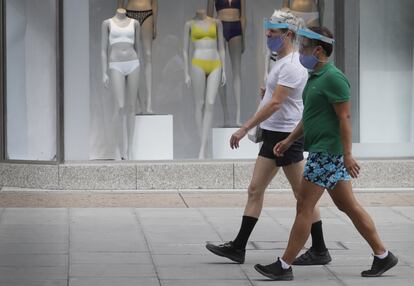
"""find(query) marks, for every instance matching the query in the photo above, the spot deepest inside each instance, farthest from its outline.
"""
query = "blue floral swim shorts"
(325, 170)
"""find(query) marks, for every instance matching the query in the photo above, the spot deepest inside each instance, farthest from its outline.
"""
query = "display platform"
(153, 138)
(222, 150)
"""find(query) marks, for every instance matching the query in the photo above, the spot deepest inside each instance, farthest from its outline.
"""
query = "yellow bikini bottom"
(208, 66)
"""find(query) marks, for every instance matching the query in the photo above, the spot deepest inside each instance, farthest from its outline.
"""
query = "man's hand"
(237, 136)
(281, 147)
(351, 166)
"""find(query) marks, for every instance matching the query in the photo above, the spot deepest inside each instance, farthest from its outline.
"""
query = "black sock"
(246, 229)
(318, 242)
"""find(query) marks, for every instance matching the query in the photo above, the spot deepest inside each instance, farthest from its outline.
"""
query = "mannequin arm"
(321, 9)
(104, 51)
(210, 8)
(243, 21)
(186, 49)
(222, 50)
(155, 16)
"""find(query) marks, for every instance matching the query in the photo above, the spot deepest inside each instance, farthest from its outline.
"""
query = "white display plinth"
(221, 145)
(153, 138)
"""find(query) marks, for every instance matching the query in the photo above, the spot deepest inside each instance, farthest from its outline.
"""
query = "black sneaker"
(228, 250)
(379, 266)
(313, 257)
(275, 271)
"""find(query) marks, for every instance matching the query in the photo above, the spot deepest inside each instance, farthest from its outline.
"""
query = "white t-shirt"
(288, 72)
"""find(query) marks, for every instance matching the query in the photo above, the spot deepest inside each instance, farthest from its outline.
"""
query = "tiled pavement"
(146, 246)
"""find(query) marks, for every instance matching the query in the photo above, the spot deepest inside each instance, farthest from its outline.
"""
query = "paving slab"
(156, 246)
(22, 282)
(121, 281)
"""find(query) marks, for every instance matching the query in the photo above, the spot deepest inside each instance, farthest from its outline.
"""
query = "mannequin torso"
(205, 47)
(228, 10)
(120, 32)
(303, 5)
(311, 11)
(139, 5)
(123, 50)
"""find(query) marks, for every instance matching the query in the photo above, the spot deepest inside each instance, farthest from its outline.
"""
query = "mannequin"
(121, 67)
(146, 12)
(205, 37)
(311, 11)
(232, 13)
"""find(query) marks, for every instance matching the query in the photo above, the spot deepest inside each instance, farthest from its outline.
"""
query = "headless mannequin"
(146, 11)
(235, 43)
(311, 11)
(120, 64)
(207, 69)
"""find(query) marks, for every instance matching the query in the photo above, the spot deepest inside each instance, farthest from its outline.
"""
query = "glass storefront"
(30, 77)
(376, 53)
(386, 77)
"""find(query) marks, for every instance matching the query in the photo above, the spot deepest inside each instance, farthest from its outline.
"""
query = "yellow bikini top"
(198, 33)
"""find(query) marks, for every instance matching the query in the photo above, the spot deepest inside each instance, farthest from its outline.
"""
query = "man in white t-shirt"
(280, 111)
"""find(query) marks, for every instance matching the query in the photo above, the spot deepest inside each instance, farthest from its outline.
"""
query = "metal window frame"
(59, 90)
(2, 81)
(344, 31)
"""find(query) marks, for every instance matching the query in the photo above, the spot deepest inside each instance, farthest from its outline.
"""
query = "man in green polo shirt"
(326, 126)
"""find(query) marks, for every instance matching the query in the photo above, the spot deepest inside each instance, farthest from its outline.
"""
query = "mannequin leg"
(198, 82)
(235, 50)
(213, 83)
(147, 35)
(132, 85)
(118, 92)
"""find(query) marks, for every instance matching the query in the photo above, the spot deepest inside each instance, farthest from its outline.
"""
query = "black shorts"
(293, 155)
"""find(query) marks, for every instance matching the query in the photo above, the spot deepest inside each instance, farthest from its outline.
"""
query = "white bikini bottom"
(124, 67)
(308, 17)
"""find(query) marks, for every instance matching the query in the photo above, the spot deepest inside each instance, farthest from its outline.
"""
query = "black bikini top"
(225, 4)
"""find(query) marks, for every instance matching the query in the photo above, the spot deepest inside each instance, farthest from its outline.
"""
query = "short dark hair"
(328, 48)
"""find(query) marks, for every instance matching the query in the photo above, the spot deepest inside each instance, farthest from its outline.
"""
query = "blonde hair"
(286, 16)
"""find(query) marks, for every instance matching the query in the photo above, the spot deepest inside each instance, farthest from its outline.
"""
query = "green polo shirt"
(320, 123)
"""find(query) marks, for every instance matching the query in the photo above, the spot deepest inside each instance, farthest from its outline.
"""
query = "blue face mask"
(275, 43)
(308, 61)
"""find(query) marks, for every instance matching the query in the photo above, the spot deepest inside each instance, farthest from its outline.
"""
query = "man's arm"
(343, 112)
(278, 97)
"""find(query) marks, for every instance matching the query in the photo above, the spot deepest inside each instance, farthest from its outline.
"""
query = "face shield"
(303, 34)
(278, 23)
(306, 49)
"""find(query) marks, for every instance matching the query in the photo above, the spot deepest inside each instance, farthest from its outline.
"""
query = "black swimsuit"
(140, 16)
(230, 29)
